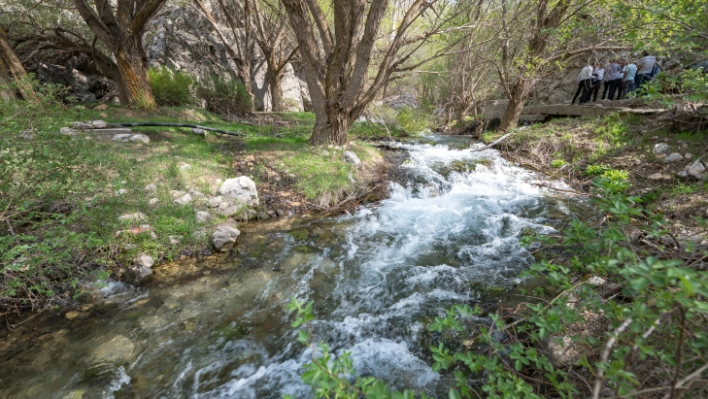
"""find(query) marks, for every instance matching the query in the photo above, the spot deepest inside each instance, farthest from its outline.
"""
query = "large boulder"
(224, 238)
(241, 189)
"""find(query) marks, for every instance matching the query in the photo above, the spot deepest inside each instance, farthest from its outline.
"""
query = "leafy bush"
(224, 96)
(558, 163)
(411, 120)
(170, 87)
(624, 319)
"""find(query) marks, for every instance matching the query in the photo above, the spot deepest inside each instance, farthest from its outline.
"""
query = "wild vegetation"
(622, 311)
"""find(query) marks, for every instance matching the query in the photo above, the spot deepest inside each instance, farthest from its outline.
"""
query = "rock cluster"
(117, 132)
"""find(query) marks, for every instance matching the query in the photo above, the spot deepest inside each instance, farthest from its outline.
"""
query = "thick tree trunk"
(276, 90)
(132, 66)
(11, 68)
(519, 93)
(331, 126)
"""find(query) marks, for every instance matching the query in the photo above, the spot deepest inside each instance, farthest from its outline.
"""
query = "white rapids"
(376, 278)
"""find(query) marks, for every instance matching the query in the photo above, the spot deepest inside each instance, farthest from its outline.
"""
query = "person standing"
(583, 78)
(629, 72)
(613, 80)
(599, 75)
(646, 67)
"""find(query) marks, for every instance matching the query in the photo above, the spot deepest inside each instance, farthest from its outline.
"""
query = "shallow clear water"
(217, 328)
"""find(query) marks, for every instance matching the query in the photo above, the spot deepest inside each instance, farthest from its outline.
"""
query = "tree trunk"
(519, 93)
(331, 126)
(12, 68)
(133, 70)
(276, 90)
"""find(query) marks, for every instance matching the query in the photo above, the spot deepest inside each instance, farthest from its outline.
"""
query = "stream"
(218, 328)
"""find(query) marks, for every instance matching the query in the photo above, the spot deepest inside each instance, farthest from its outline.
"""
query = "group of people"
(618, 78)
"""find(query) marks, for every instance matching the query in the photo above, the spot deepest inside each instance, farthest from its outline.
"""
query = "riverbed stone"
(241, 189)
(144, 260)
(660, 148)
(184, 200)
(118, 350)
(224, 238)
(132, 217)
(151, 188)
(696, 170)
(658, 177)
(81, 125)
(67, 131)
(139, 138)
(673, 157)
(352, 158)
(153, 201)
(215, 201)
(203, 216)
(174, 240)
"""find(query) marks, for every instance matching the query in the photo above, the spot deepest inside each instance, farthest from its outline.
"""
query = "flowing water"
(217, 328)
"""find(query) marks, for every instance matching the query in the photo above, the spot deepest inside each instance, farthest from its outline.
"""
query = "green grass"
(58, 193)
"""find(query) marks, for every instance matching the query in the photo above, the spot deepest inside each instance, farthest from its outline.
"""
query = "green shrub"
(558, 163)
(224, 96)
(170, 87)
(411, 120)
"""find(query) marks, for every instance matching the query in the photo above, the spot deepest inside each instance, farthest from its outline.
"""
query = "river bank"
(83, 207)
(665, 169)
(217, 326)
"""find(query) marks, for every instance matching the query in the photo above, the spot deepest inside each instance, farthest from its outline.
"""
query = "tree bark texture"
(275, 79)
(120, 26)
(11, 69)
(545, 21)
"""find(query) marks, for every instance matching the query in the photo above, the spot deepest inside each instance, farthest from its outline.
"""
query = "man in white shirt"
(584, 81)
(645, 68)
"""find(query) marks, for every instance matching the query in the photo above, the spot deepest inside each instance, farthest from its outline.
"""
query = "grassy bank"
(582, 149)
(62, 197)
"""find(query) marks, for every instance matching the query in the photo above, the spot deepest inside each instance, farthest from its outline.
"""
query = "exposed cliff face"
(181, 38)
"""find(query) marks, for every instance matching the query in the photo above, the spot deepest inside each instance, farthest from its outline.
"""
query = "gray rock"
(200, 132)
(153, 201)
(177, 193)
(203, 217)
(224, 238)
(151, 188)
(241, 189)
(562, 351)
(196, 194)
(117, 350)
(28, 134)
(129, 247)
(113, 130)
(352, 158)
(132, 217)
(82, 125)
(229, 210)
(121, 137)
(144, 260)
(688, 155)
(174, 240)
(99, 124)
(215, 201)
(184, 200)
(682, 174)
(139, 274)
(673, 157)
(660, 148)
(121, 191)
(696, 170)
(67, 131)
(139, 138)
(658, 177)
